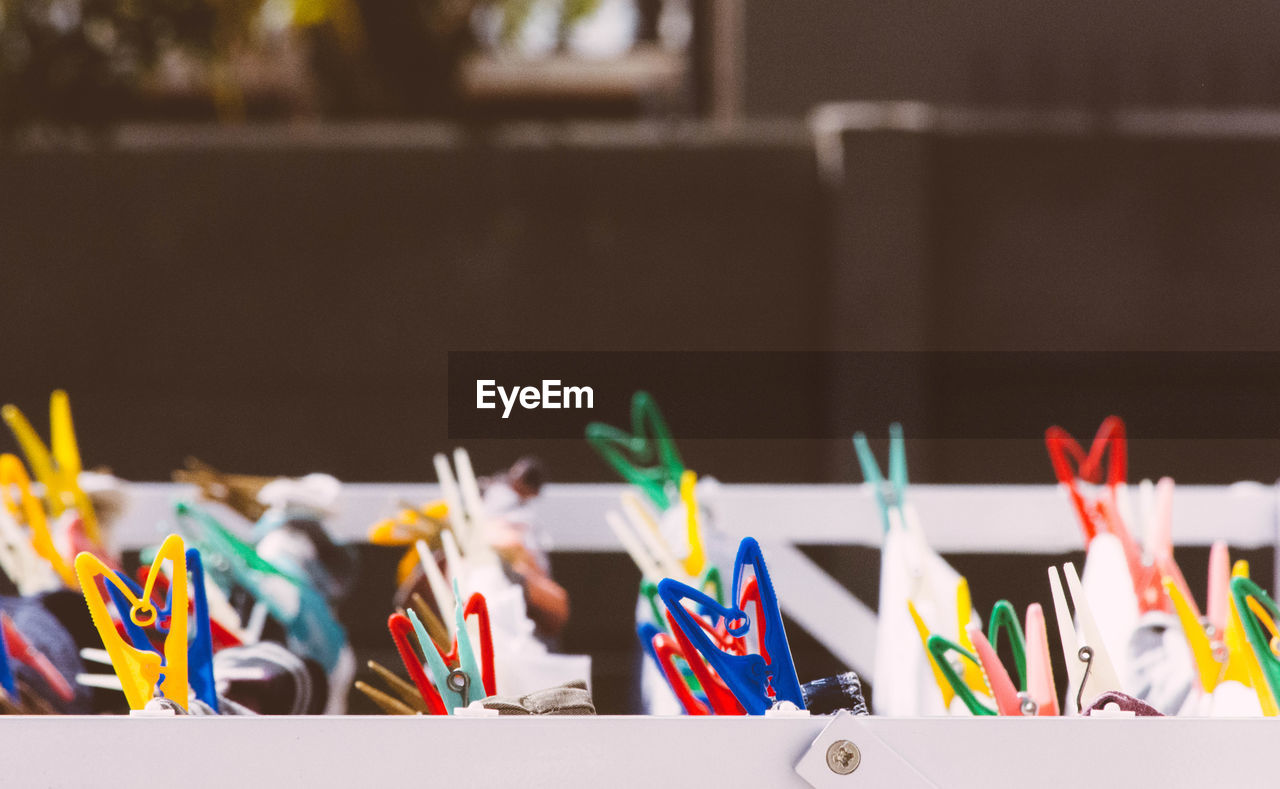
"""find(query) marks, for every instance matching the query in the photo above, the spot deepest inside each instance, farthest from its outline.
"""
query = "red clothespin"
(721, 699)
(21, 650)
(1071, 465)
(666, 649)
(402, 633)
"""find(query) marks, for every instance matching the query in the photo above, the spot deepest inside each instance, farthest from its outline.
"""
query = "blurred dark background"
(250, 232)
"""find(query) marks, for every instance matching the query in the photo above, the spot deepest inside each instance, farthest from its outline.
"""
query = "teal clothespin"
(309, 621)
(891, 493)
(1004, 617)
(464, 684)
(647, 456)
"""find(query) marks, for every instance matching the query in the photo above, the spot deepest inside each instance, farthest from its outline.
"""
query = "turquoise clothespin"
(891, 493)
(309, 621)
(464, 684)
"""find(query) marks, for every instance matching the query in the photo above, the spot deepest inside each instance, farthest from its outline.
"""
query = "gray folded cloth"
(571, 698)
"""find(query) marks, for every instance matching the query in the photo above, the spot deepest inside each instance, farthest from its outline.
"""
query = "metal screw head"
(843, 757)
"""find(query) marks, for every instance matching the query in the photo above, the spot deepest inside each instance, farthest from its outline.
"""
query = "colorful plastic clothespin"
(456, 674)
(696, 561)
(720, 698)
(467, 515)
(21, 650)
(964, 614)
(407, 527)
(30, 572)
(645, 457)
(664, 650)
(755, 681)
(1008, 701)
(1209, 668)
(402, 633)
(1257, 613)
(14, 475)
(1040, 683)
(939, 647)
(200, 647)
(309, 622)
(58, 471)
(646, 527)
(939, 676)
(6, 671)
(1005, 619)
(1089, 666)
(890, 494)
(141, 671)
(1071, 465)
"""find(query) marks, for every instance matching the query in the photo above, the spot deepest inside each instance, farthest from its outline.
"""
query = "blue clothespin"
(199, 649)
(891, 493)
(464, 684)
(6, 671)
(646, 631)
(749, 677)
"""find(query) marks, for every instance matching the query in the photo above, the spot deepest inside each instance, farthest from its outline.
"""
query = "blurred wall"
(282, 300)
(1011, 52)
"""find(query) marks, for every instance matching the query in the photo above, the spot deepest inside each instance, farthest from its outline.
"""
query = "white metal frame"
(627, 752)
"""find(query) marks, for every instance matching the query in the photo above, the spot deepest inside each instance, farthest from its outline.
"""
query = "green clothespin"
(1260, 638)
(938, 647)
(309, 621)
(891, 493)
(464, 684)
(649, 591)
(712, 583)
(647, 456)
(1005, 617)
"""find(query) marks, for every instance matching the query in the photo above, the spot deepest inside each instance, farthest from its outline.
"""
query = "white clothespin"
(19, 560)
(440, 588)
(645, 524)
(454, 566)
(1089, 667)
(466, 506)
(634, 547)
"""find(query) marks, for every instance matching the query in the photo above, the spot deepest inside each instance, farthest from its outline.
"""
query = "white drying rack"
(642, 752)
(956, 519)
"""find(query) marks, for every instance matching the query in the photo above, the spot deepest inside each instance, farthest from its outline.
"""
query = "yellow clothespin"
(1241, 654)
(58, 471)
(948, 693)
(973, 676)
(31, 511)
(1208, 668)
(141, 670)
(407, 527)
(696, 561)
